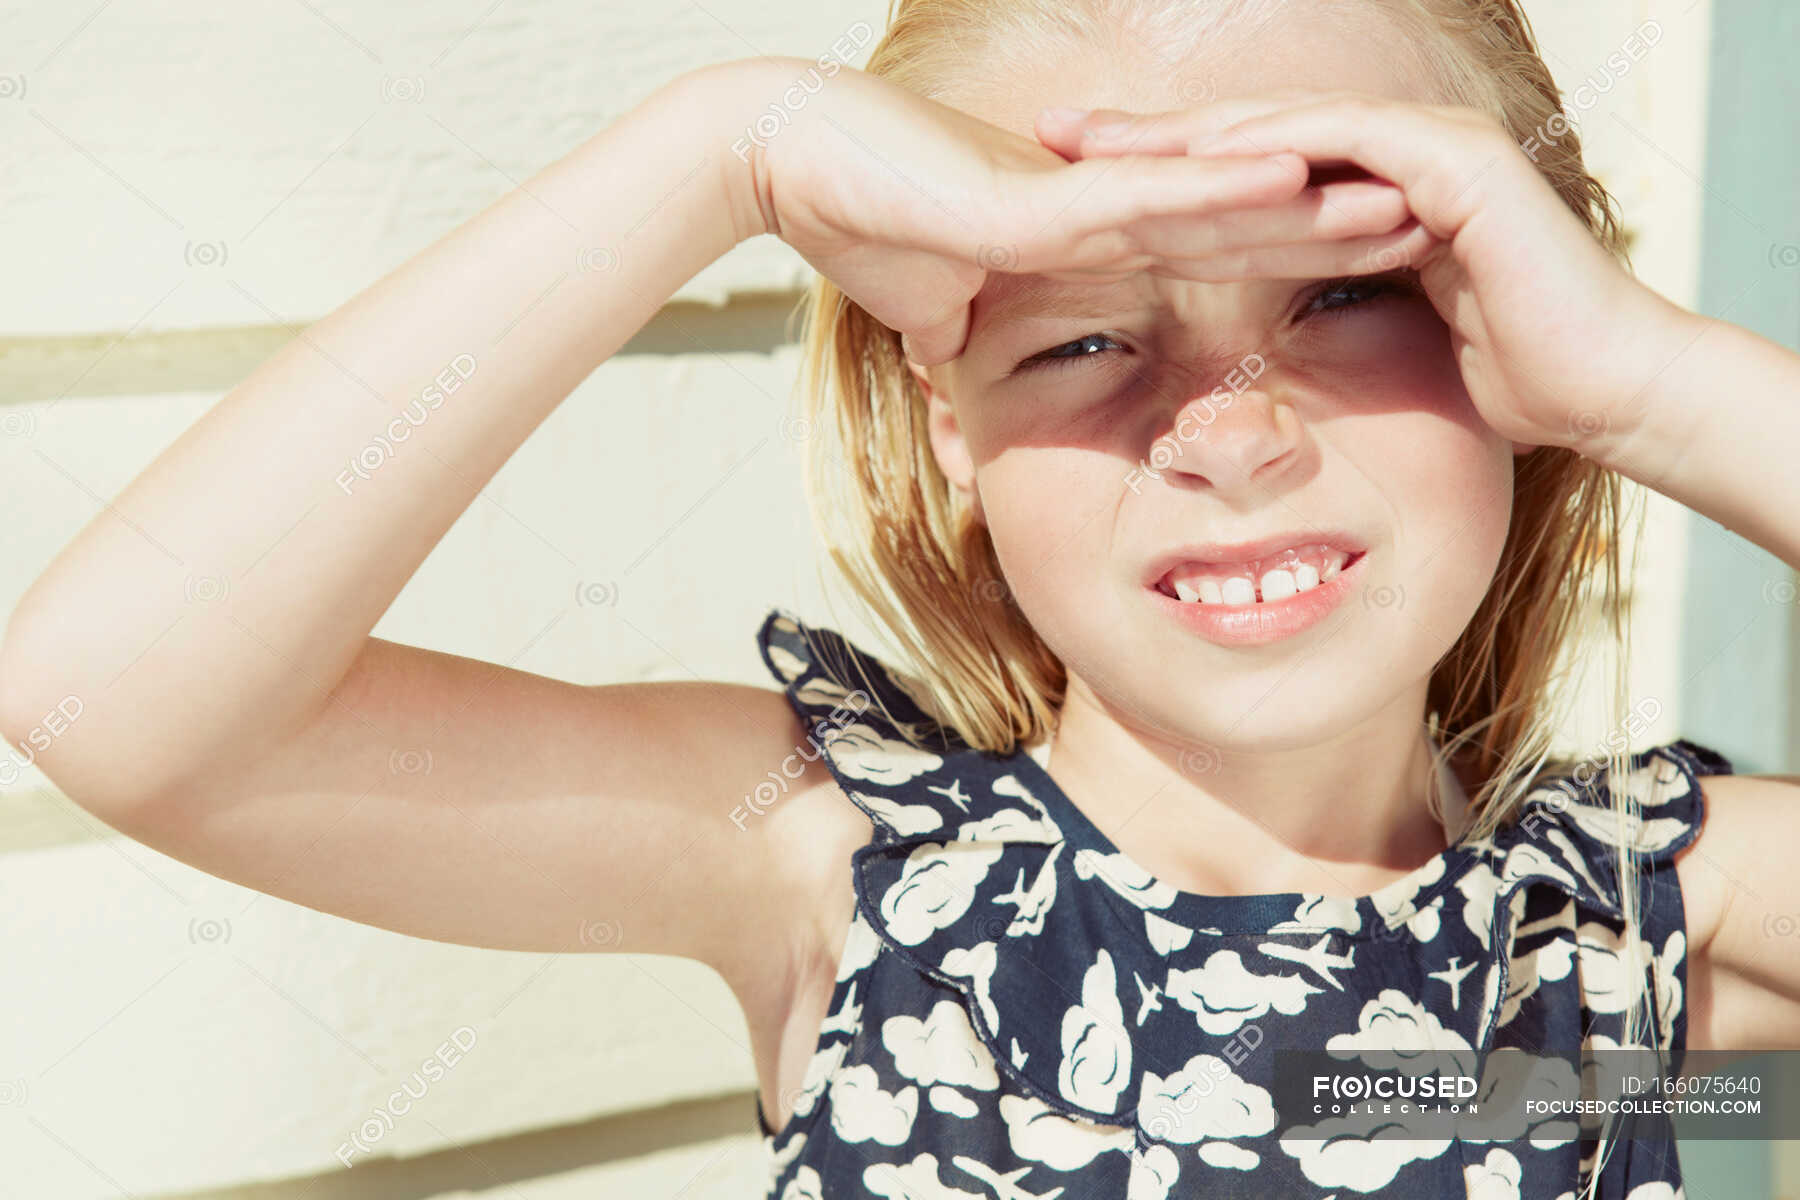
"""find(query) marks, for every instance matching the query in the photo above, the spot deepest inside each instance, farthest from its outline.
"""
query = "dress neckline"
(1377, 914)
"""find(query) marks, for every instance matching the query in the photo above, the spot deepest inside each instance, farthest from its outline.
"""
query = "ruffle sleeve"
(962, 876)
(1567, 832)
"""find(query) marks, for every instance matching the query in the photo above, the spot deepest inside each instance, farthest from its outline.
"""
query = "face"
(1106, 432)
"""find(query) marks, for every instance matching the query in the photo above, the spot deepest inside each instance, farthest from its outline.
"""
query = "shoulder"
(1741, 893)
(858, 741)
(1731, 874)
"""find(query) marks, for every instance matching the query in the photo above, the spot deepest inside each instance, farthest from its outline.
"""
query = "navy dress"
(1021, 1012)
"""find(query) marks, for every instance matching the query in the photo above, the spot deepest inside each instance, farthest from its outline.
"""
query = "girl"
(1232, 464)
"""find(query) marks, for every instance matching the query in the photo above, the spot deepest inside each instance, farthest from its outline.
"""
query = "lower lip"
(1260, 622)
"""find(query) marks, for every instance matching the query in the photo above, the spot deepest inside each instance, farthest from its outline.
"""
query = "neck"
(1340, 817)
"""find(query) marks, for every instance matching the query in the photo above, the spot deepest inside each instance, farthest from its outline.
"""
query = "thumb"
(940, 341)
(1070, 131)
(1076, 133)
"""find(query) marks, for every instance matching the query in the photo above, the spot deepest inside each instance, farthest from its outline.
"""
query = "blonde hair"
(928, 573)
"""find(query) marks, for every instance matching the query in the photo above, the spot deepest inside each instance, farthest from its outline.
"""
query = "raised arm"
(1717, 428)
(213, 622)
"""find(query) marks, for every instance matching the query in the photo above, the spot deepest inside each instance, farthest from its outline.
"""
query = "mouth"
(1252, 594)
(1232, 580)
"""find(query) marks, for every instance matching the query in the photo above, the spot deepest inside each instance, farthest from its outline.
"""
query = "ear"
(948, 445)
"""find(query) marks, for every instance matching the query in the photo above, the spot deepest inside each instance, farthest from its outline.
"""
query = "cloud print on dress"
(1496, 1177)
(916, 1180)
(790, 667)
(1511, 1076)
(1649, 835)
(906, 819)
(1478, 886)
(949, 1100)
(1010, 787)
(1007, 825)
(976, 964)
(1096, 1051)
(821, 691)
(1669, 999)
(1605, 973)
(862, 1112)
(818, 1070)
(1039, 1133)
(860, 752)
(1356, 1153)
(1546, 963)
(1153, 1173)
(1229, 1156)
(1165, 936)
(935, 887)
(1223, 995)
(1396, 1033)
(805, 1185)
(940, 1049)
(1204, 1099)
(860, 947)
(1391, 901)
(1315, 912)
(1124, 877)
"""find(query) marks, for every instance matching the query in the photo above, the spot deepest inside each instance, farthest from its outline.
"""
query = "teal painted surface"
(1741, 627)
(1739, 639)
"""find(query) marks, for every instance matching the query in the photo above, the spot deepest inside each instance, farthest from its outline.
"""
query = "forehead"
(1320, 45)
(1280, 45)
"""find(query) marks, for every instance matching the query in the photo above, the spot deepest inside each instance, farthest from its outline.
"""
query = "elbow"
(50, 730)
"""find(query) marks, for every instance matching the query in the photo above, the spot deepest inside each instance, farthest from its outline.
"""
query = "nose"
(1231, 440)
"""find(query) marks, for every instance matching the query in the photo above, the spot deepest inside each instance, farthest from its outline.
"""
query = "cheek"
(1046, 469)
(1446, 482)
(1053, 515)
(1049, 507)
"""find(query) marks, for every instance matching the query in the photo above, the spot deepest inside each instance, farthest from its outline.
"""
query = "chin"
(1251, 711)
(1158, 679)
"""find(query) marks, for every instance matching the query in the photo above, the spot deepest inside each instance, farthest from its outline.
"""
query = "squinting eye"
(1065, 355)
(1343, 295)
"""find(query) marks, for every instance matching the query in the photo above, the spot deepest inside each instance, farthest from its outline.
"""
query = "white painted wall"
(192, 183)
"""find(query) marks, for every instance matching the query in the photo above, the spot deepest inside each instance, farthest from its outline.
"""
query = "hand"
(1555, 339)
(909, 205)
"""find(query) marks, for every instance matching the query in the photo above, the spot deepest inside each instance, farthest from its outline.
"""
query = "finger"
(939, 341)
(1102, 132)
(1081, 215)
(1448, 165)
(1094, 202)
(1403, 248)
(1061, 128)
(1333, 212)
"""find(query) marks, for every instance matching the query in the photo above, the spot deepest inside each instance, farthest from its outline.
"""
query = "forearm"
(226, 590)
(1719, 431)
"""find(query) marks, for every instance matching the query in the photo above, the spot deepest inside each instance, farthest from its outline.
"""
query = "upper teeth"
(1296, 569)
